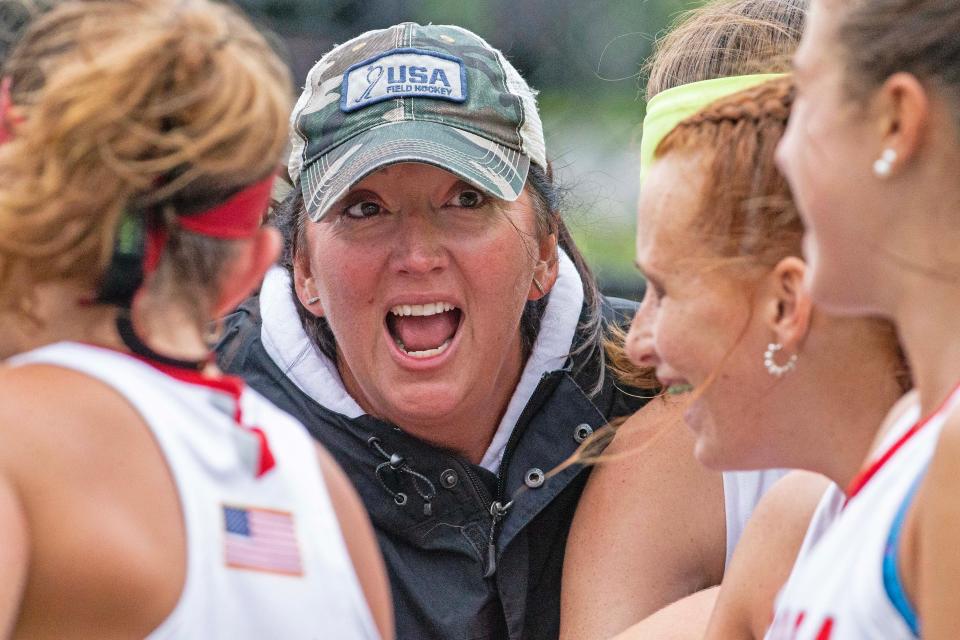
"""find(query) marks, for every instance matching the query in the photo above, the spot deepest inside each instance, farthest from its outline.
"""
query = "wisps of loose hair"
(727, 38)
(720, 39)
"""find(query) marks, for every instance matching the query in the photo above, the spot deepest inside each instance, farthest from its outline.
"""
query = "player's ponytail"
(113, 106)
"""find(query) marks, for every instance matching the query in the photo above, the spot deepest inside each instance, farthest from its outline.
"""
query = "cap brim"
(493, 168)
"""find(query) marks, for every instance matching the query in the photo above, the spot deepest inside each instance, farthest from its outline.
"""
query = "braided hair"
(748, 210)
(748, 217)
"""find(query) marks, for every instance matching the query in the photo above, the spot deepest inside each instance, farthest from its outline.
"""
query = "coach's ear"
(787, 305)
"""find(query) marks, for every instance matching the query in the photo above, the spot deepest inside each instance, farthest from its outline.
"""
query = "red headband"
(7, 118)
(237, 218)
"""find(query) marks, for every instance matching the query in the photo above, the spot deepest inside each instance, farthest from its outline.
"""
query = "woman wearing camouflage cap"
(435, 326)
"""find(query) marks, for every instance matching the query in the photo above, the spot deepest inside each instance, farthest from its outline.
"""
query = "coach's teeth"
(429, 309)
(680, 388)
(429, 353)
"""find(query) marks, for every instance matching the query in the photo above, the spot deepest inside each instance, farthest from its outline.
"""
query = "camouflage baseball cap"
(411, 93)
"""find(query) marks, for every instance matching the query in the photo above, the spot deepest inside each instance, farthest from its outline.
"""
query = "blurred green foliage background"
(585, 58)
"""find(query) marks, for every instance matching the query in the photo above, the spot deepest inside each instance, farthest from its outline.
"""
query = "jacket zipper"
(499, 508)
(497, 511)
(496, 507)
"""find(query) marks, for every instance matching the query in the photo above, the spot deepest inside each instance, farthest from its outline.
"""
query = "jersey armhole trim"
(892, 584)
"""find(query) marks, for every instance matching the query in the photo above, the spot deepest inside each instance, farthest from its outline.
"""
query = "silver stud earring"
(313, 300)
(774, 369)
(884, 165)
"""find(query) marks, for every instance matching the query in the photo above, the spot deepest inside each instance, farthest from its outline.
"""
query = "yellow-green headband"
(669, 108)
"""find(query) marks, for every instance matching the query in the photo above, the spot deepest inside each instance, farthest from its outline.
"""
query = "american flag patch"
(261, 540)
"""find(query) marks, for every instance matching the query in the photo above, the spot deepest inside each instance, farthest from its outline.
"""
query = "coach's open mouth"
(423, 330)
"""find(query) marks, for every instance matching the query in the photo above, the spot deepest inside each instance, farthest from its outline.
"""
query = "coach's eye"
(467, 198)
(365, 209)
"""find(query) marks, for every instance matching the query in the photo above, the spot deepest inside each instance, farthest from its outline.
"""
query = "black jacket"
(462, 564)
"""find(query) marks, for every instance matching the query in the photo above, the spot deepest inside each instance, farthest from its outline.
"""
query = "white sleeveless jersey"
(742, 490)
(846, 581)
(265, 554)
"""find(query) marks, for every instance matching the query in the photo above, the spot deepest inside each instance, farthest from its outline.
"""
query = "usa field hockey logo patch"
(261, 540)
(402, 73)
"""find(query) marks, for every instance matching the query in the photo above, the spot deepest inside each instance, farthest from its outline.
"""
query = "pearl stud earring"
(884, 165)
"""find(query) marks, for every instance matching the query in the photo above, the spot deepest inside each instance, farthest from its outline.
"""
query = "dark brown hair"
(881, 37)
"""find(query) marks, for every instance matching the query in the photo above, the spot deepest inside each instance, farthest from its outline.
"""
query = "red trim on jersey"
(865, 475)
(862, 478)
(267, 461)
(826, 630)
(231, 385)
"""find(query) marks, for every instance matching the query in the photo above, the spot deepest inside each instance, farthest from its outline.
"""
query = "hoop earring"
(774, 369)
(884, 165)
(313, 300)
(539, 287)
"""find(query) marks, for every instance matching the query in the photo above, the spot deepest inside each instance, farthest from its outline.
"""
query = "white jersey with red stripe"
(266, 556)
(846, 582)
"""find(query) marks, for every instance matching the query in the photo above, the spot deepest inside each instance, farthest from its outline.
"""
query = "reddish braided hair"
(748, 211)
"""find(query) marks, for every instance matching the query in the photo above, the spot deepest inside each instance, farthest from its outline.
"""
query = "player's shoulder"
(792, 498)
(948, 443)
(26, 389)
(43, 405)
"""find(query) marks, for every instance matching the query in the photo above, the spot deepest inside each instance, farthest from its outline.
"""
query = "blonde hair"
(128, 105)
(727, 38)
